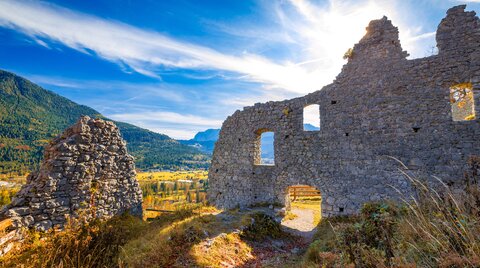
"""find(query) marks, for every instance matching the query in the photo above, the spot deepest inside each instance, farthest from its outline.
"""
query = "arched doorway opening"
(303, 205)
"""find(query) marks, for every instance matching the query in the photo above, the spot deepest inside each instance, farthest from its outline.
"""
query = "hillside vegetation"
(30, 116)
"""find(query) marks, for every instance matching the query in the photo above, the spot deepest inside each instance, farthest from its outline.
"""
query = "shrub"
(6, 195)
(261, 226)
(348, 54)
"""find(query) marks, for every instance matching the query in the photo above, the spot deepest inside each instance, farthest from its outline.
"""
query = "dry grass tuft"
(435, 229)
(96, 244)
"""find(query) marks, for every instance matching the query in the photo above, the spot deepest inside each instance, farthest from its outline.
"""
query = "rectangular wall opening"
(267, 150)
(264, 148)
(311, 117)
(462, 102)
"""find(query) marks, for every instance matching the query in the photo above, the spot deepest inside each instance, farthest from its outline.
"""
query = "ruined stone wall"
(86, 171)
(380, 106)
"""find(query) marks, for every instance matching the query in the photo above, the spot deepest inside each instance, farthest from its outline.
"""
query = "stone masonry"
(380, 106)
(86, 171)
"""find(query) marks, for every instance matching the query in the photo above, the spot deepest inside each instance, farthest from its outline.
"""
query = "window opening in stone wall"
(264, 148)
(311, 117)
(462, 102)
(267, 151)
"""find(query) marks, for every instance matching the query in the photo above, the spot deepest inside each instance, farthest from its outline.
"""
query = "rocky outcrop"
(380, 107)
(86, 172)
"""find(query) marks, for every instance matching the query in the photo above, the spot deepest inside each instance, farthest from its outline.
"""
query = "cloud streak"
(168, 117)
(142, 50)
(180, 126)
(325, 32)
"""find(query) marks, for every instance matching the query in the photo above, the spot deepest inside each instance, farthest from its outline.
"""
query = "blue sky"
(182, 66)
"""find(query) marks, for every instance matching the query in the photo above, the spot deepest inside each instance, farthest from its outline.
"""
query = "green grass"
(311, 203)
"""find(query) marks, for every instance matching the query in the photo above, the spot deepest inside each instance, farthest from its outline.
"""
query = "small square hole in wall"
(416, 129)
(341, 209)
(346, 134)
(334, 102)
(239, 139)
(462, 102)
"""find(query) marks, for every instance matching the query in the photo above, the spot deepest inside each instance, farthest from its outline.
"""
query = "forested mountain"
(30, 116)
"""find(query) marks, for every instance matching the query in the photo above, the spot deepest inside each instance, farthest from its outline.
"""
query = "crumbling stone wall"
(86, 170)
(380, 106)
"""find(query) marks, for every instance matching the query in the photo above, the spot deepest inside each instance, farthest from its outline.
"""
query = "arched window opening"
(462, 102)
(265, 148)
(311, 117)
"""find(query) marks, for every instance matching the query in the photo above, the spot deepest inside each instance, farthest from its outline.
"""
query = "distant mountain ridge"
(30, 116)
(204, 140)
(207, 135)
(310, 127)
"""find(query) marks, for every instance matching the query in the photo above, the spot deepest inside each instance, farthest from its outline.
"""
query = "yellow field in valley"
(172, 175)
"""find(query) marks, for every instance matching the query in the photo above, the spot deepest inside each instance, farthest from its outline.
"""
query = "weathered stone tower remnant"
(380, 105)
(86, 170)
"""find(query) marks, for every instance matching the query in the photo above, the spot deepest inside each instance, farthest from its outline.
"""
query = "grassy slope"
(425, 234)
(31, 115)
(191, 237)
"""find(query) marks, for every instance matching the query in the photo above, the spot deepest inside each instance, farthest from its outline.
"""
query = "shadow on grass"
(187, 238)
(227, 239)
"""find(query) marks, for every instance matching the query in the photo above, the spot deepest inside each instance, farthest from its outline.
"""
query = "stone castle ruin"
(381, 105)
(86, 172)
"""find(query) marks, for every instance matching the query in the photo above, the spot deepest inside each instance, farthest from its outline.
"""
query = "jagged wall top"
(380, 42)
(458, 30)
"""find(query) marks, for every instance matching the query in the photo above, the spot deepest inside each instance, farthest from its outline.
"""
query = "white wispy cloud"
(180, 126)
(151, 90)
(311, 115)
(325, 33)
(168, 117)
(142, 50)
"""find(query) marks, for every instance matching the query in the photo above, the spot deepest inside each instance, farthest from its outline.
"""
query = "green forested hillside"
(153, 150)
(30, 116)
